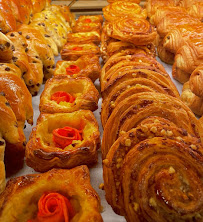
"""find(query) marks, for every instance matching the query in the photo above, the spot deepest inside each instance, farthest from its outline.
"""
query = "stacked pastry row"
(180, 43)
(151, 147)
(67, 133)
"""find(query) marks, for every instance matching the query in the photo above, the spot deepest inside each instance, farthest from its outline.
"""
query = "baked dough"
(85, 95)
(42, 153)
(6, 48)
(23, 193)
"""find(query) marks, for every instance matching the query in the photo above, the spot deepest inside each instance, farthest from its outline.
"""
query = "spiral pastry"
(122, 9)
(133, 109)
(135, 30)
(149, 128)
(163, 182)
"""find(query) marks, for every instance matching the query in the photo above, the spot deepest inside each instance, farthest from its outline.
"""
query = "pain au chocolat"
(63, 140)
(57, 195)
(63, 94)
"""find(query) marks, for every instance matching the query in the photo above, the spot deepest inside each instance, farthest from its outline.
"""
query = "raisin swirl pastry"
(162, 182)
(120, 9)
(63, 140)
(135, 30)
(133, 109)
(149, 128)
(63, 95)
(84, 66)
(67, 195)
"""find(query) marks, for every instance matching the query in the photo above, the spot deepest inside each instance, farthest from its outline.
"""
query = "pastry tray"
(96, 171)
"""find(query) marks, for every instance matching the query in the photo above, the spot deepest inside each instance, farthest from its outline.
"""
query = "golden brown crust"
(135, 30)
(84, 37)
(149, 128)
(164, 54)
(41, 152)
(38, 5)
(89, 67)
(196, 10)
(94, 18)
(162, 180)
(24, 192)
(121, 9)
(73, 51)
(6, 48)
(132, 110)
(81, 88)
(194, 102)
(87, 26)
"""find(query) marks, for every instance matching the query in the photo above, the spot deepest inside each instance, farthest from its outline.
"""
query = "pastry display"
(63, 140)
(63, 95)
(57, 195)
(84, 66)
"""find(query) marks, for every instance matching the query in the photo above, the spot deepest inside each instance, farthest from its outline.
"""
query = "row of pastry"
(152, 142)
(66, 136)
(180, 29)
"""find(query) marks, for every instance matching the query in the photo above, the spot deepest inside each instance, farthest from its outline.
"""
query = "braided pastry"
(58, 195)
(135, 30)
(86, 66)
(48, 146)
(63, 95)
(120, 9)
(149, 128)
(133, 109)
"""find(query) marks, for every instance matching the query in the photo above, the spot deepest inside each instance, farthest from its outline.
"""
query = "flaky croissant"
(68, 192)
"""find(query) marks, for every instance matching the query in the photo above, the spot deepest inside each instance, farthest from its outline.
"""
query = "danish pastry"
(63, 95)
(196, 10)
(133, 109)
(135, 30)
(87, 26)
(120, 9)
(86, 66)
(149, 128)
(90, 18)
(6, 48)
(194, 102)
(73, 51)
(84, 37)
(58, 195)
(63, 140)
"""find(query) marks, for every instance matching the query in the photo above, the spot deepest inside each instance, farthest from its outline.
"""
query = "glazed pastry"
(149, 128)
(37, 41)
(194, 102)
(121, 9)
(159, 170)
(86, 66)
(38, 5)
(187, 59)
(134, 30)
(84, 37)
(130, 72)
(70, 189)
(49, 148)
(196, 80)
(73, 51)
(93, 18)
(87, 26)
(133, 109)
(9, 68)
(164, 54)
(63, 95)
(196, 10)
(182, 34)
(6, 48)
(187, 3)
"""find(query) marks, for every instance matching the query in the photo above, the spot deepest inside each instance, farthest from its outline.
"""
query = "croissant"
(194, 102)
(86, 66)
(164, 54)
(182, 34)
(71, 189)
(63, 95)
(133, 109)
(196, 80)
(187, 3)
(73, 51)
(84, 37)
(48, 148)
(135, 30)
(196, 10)
(139, 71)
(149, 128)
(6, 48)
(45, 54)
(120, 9)
(162, 177)
(93, 18)
(187, 59)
